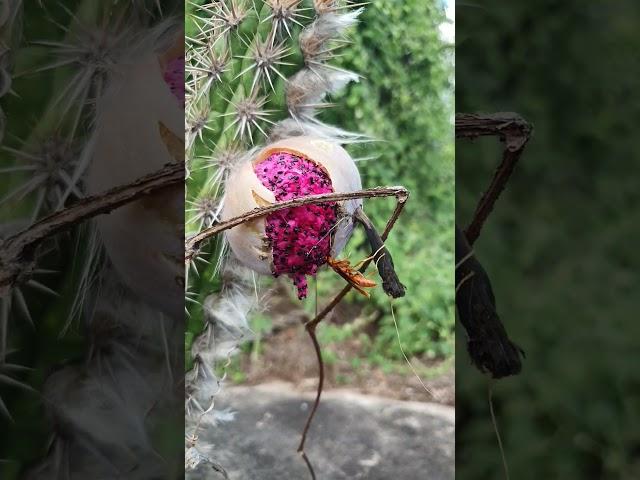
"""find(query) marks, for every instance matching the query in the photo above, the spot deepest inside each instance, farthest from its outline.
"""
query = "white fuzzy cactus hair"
(258, 75)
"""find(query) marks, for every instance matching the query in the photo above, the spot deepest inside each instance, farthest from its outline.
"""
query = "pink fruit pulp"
(174, 77)
(300, 237)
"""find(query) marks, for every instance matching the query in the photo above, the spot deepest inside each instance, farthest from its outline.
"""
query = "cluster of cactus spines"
(266, 56)
(97, 418)
(257, 71)
(50, 168)
(247, 115)
(285, 13)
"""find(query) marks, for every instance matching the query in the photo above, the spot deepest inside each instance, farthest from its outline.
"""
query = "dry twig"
(17, 252)
(401, 199)
(194, 243)
(514, 132)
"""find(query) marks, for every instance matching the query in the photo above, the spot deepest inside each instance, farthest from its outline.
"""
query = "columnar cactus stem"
(257, 74)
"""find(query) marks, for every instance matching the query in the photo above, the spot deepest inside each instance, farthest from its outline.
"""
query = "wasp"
(351, 275)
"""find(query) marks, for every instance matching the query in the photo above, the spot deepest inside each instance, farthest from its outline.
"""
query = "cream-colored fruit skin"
(248, 241)
(144, 240)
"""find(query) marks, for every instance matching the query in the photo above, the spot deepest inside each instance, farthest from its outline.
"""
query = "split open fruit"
(294, 241)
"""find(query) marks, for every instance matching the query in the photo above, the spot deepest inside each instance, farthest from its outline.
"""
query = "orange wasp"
(351, 275)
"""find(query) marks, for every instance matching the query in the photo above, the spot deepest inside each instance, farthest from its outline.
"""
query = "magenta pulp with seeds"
(292, 242)
(174, 77)
(299, 237)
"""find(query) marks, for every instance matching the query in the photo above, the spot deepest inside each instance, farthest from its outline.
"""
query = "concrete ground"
(353, 436)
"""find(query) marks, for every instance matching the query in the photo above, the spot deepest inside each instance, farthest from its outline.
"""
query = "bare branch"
(18, 251)
(192, 244)
(402, 196)
(514, 132)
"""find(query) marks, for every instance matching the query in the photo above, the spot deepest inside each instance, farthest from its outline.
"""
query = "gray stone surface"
(353, 437)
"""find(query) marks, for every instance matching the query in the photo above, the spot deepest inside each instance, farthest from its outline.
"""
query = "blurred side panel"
(559, 247)
(91, 239)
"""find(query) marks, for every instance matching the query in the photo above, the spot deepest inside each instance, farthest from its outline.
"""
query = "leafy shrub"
(405, 102)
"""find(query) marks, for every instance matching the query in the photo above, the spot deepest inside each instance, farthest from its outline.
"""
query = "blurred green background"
(560, 247)
(405, 101)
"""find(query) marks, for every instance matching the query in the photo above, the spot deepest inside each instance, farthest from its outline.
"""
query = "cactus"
(257, 76)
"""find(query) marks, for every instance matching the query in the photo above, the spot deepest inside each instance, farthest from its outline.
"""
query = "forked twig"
(400, 203)
(488, 344)
(17, 252)
(311, 325)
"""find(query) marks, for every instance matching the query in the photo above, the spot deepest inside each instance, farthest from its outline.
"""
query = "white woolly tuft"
(330, 26)
(226, 313)
(226, 415)
(306, 90)
(126, 348)
(228, 310)
(201, 387)
(315, 39)
(292, 127)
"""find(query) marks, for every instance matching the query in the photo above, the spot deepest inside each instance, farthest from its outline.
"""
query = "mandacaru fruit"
(294, 241)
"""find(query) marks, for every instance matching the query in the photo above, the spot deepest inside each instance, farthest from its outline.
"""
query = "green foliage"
(561, 259)
(405, 101)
